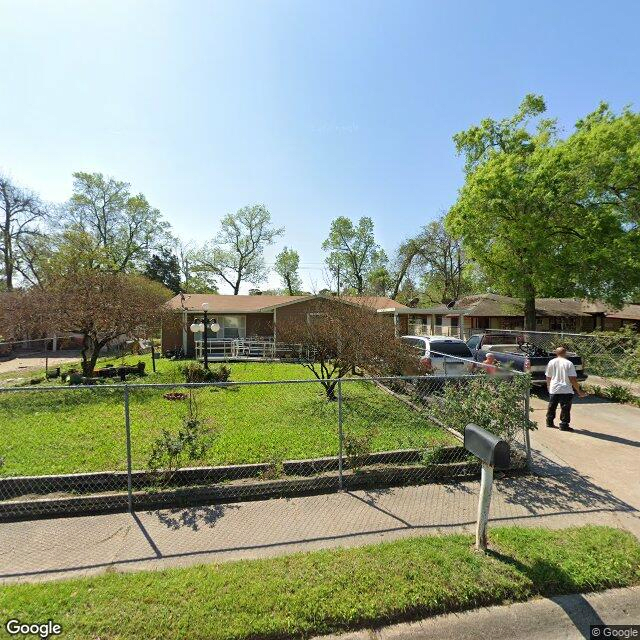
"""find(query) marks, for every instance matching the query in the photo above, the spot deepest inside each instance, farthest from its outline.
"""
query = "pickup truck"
(511, 350)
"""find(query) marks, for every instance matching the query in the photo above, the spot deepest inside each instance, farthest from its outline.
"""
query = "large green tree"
(353, 252)
(125, 226)
(236, 255)
(286, 266)
(535, 214)
(163, 267)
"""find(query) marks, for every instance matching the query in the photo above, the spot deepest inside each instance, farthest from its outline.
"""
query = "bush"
(195, 372)
(190, 444)
(493, 403)
(620, 394)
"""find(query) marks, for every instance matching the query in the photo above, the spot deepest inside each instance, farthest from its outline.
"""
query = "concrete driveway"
(605, 446)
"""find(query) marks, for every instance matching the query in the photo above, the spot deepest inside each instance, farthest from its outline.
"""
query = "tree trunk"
(8, 262)
(530, 307)
(90, 352)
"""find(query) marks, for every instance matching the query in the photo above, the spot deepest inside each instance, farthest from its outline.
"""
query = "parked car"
(511, 350)
(441, 355)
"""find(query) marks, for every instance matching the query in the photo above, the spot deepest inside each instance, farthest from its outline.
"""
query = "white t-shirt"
(560, 370)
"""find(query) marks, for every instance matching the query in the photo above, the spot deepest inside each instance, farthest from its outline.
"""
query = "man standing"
(561, 382)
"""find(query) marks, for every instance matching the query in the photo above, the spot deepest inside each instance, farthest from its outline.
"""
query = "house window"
(438, 320)
(233, 326)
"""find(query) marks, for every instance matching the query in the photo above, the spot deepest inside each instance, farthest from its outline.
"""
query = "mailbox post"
(492, 452)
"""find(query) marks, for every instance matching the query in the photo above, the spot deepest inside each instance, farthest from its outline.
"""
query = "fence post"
(527, 441)
(127, 427)
(340, 435)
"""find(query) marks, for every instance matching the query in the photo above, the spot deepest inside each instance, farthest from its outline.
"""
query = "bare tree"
(21, 215)
(334, 337)
(236, 255)
(103, 306)
(435, 257)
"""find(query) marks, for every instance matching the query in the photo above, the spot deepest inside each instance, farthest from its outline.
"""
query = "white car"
(441, 355)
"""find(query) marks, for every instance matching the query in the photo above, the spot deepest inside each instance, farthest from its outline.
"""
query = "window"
(473, 342)
(233, 326)
(416, 343)
(455, 321)
(459, 349)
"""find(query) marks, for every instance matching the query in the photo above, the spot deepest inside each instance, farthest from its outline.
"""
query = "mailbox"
(488, 447)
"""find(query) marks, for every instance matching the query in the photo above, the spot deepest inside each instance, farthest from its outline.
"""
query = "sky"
(316, 109)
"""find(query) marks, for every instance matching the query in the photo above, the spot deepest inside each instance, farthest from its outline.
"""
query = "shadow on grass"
(548, 579)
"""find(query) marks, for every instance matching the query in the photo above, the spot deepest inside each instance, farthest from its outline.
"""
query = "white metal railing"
(236, 348)
(417, 329)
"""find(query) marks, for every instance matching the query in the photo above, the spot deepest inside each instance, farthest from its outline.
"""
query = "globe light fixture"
(202, 326)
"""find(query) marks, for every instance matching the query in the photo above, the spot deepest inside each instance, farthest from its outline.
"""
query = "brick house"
(253, 319)
(475, 313)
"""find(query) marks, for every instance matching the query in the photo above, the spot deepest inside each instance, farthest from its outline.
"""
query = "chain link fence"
(67, 450)
(610, 355)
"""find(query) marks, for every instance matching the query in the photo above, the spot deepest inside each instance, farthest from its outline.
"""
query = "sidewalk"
(560, 618)
(585, 477)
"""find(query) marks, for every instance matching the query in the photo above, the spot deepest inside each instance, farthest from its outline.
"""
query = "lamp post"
(202, 326)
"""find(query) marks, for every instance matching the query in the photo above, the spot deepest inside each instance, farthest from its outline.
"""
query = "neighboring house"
(255, 317)
(473, 314)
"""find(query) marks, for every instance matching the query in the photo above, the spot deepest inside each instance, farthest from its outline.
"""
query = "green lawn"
(80, 431)
(328, 591)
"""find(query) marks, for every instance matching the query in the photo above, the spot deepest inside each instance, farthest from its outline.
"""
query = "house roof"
(628, 312)
(489, 305)
(263, 303)
(494, 305)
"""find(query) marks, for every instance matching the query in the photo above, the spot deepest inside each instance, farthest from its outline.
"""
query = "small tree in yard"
(102, 306)
(334, 337)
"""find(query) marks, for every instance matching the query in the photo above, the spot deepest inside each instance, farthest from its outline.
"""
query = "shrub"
(195, 372)
(358, 446)
(190, 444)
(493, 403)
(620, 394)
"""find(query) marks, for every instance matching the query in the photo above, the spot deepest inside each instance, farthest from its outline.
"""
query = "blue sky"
(316, 109)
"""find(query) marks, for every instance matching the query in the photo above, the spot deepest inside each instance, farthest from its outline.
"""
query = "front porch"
(238, 349)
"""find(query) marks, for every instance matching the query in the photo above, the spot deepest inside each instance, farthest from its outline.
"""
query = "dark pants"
(564, 400)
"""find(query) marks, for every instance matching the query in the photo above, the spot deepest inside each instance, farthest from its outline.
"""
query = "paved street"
(560, 618)
(590, 476)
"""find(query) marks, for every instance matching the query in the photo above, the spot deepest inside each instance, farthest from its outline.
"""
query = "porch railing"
(236, 348)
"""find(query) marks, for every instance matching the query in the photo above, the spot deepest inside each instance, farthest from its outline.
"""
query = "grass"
(81, 431)
(329, 591)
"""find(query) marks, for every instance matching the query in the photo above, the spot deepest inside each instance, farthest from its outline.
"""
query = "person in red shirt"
(490, 364)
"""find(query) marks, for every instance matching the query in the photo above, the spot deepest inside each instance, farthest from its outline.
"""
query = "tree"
(286, 266)
(236, 255)
(334, 337)
(126, 227)
(437, 259)
(21, 215)
(532, 217)
(379, 281)
(164, 267)
(193, 281)
(354, 251)
(103, 306)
